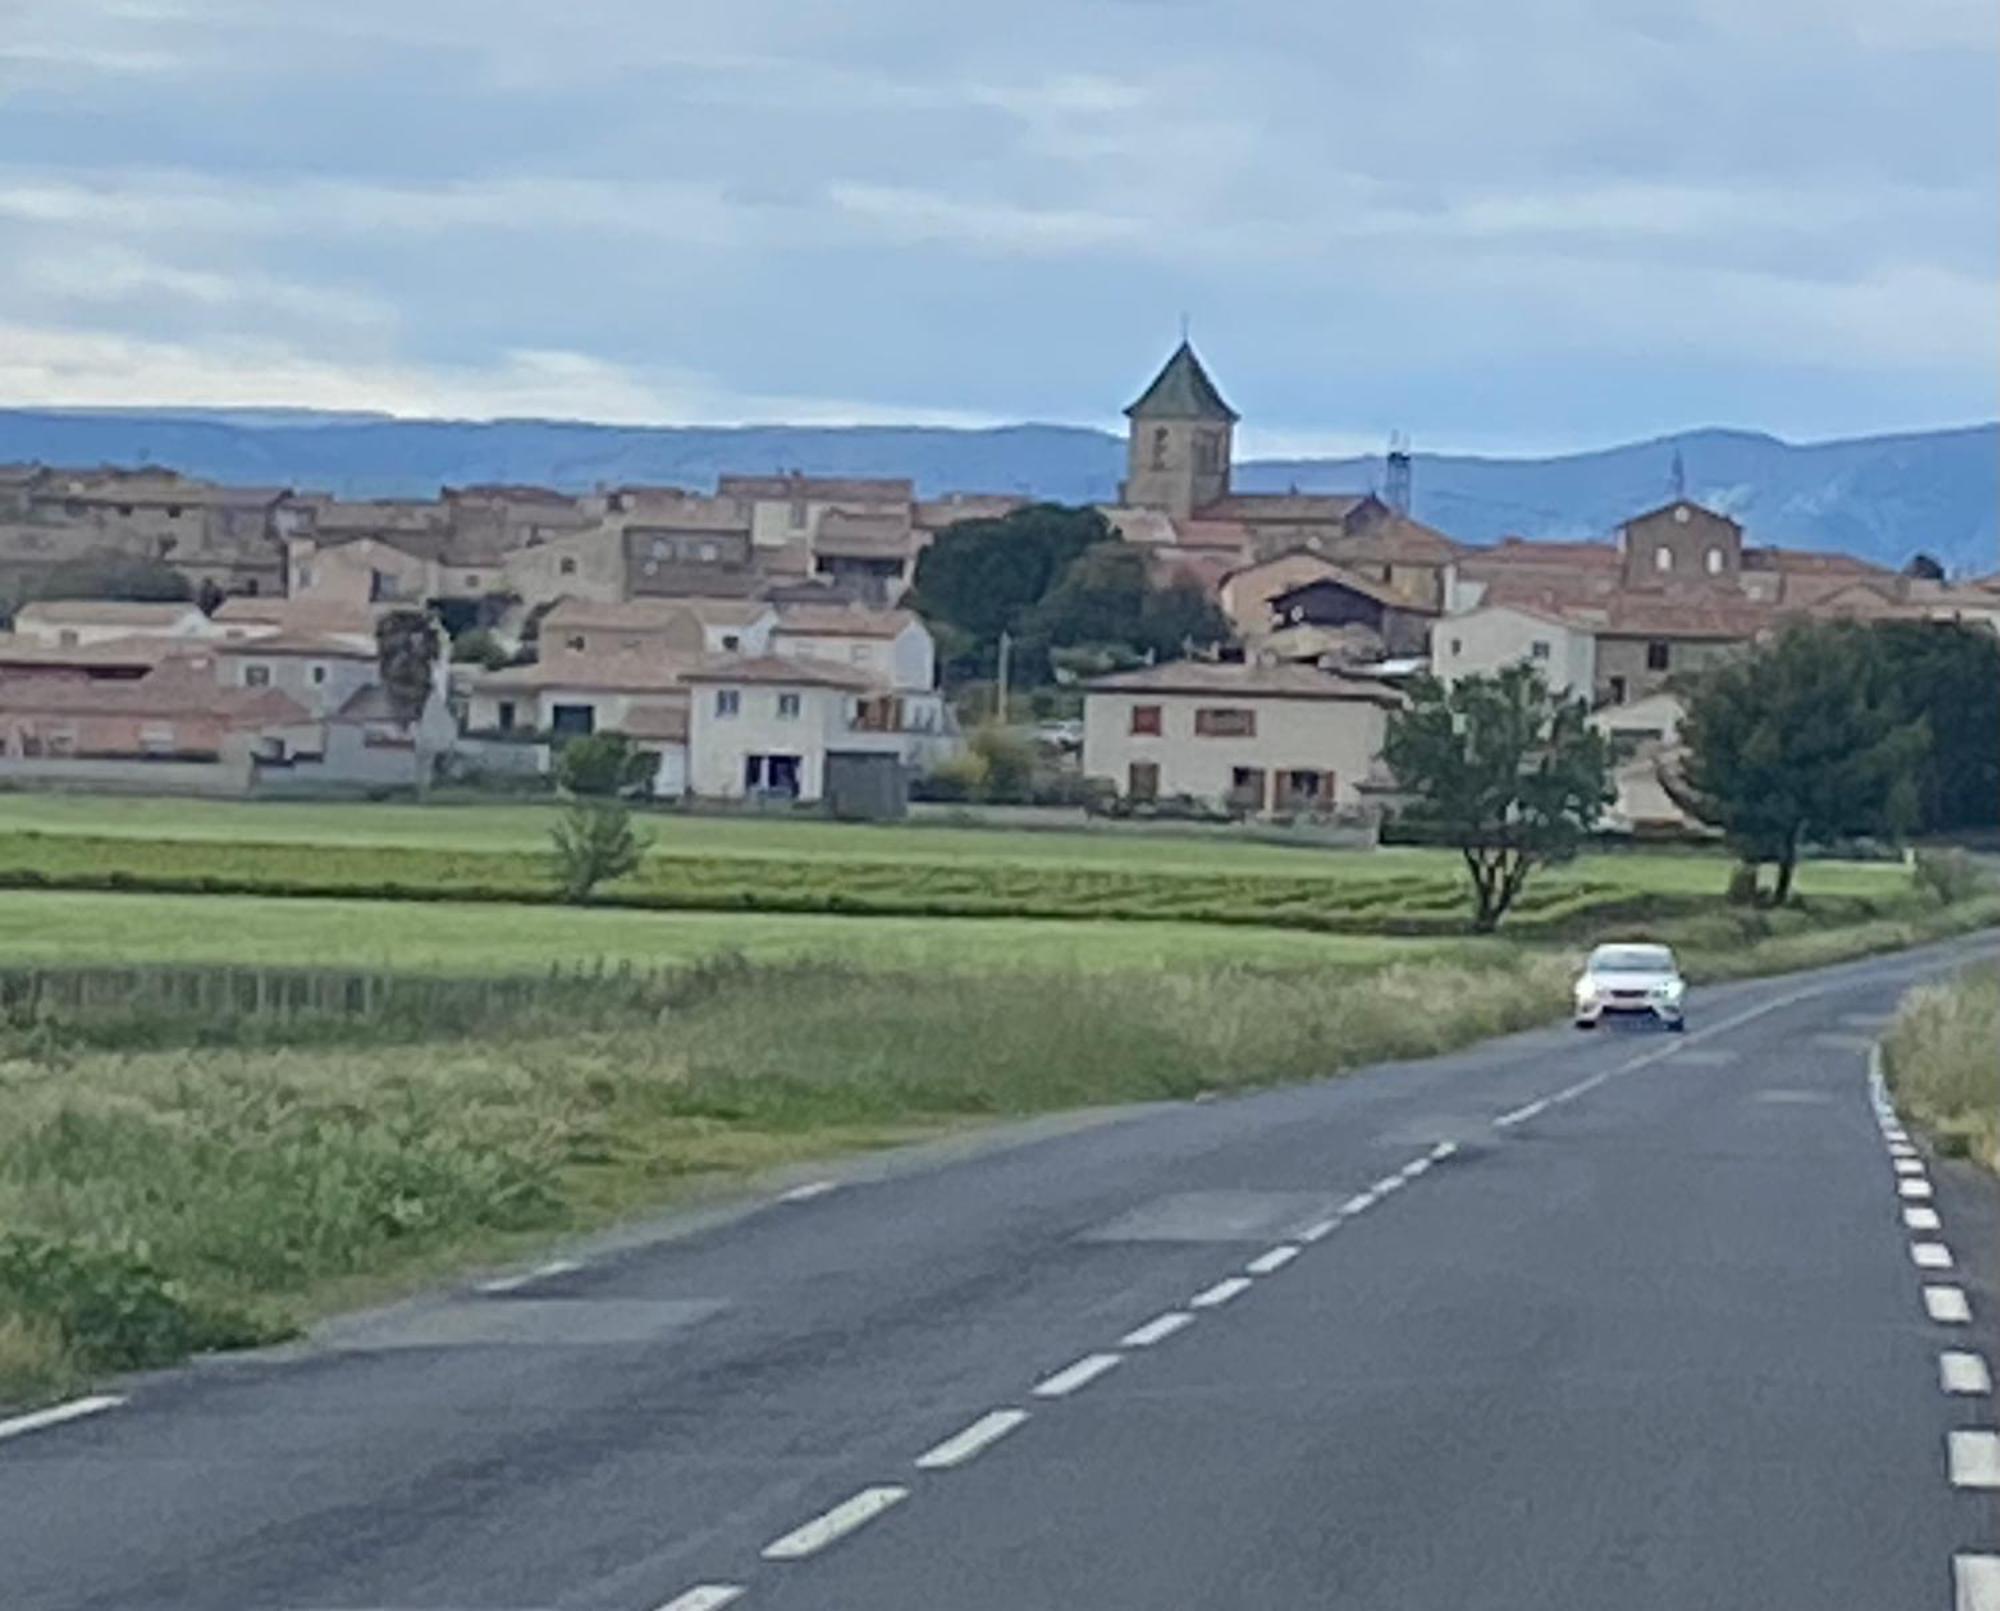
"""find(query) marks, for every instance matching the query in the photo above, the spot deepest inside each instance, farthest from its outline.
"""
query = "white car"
(1631, 981)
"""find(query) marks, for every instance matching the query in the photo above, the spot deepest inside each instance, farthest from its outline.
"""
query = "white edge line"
(541, 1272)
(1444, 1150)
(1319, 1230)
(1521, 1115)
(1416, 1167)
(1158, 1329)
(1960, 1372)
(1947, 1304)
(1275, 1260)
(1930, 1255)
(56, 1414)
(1922, 1219)
(831, 1526)
(1978, 1582)
(975, 1439)
(810, 1190)
(1220, 1293)
(1387, 1184)
(1913, 1188)
(1973, 1454)
(1360, 1203)
(705, 1597)
(1085, 1371)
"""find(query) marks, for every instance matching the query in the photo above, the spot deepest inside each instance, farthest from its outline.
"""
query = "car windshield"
(1632, 959)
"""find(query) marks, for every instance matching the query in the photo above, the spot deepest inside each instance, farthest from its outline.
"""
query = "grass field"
(1943, 1058)
(49, 927)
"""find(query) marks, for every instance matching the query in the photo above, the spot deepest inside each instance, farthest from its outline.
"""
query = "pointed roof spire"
(1182, 391)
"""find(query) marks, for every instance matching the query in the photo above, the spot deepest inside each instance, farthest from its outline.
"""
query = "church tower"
(1178, 444)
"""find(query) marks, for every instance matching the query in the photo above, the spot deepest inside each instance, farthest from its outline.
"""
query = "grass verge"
(1942, 1058)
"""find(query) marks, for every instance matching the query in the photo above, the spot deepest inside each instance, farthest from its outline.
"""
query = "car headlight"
(1586, 990)
(1670, 991)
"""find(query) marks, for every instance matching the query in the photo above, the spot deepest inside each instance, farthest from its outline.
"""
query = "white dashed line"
(982, 1434)
(1360, 1203)
(834, 1525)
(1919, 1189)
(1273, 1261)
(1964, 1373)
(1902, 1149)
(1947, 1305)
(541, 1272)
(1220, 1293)
(1387, 1184)
(1907, 1166)
(1319, 1230)
(56, 1414)
(1158, 1330)
(1978, 1579)
(810, 1190)
(1085, 1371)
(1922, 1219)
(705, 1597)
(1415, 1167)
(1930, 1255)
(1523, 1114)
(1895, 1135)
(1569, 1093)
(1444, 1150)
(1974, 1458)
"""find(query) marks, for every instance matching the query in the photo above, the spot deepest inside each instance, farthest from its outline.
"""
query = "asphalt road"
(1561, 1321)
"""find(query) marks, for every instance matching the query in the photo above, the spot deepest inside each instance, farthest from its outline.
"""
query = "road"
(1591, 1321)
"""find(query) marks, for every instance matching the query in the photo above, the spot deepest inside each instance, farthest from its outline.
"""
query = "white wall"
(718, 745)
(1337, 735)
(1484, 640)
(191, 624)
(906, 661)
(322, 686)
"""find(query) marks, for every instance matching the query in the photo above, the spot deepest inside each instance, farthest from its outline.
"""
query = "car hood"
(1625, 980)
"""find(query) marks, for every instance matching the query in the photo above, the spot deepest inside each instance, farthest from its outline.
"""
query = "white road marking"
(834, 1524)
(1569, 1093)
(1387, 1184)
(1444, 1150)
(1415, 1167)
(705, 1597)
(1922, 1219)
(541, 1272)
(1319, 1230)
(1947, 1305)
(1978, 1580)
(810, 1190)
(1085, 1371)
(1964, 1373)
(1273, 1261)
(1974, 1458)
(1157, 1330)
(1895, 1134)
(56, 1414)
(1907, 1166)
(1359, 1203)
(1931, 1255)
(1919, 1189)
(1220, 1293)
(1523, 1114)
(1902, 1149)
(962, 1446)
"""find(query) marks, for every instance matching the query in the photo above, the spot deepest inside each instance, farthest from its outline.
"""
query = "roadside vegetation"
(1943, 1061)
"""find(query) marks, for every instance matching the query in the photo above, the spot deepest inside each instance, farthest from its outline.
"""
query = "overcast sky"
(1513, 225)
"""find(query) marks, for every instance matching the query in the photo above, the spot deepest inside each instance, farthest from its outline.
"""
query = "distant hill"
(1882, 498)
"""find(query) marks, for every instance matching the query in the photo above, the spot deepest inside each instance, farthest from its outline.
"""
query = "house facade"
(1257, 739)
(1481, 641)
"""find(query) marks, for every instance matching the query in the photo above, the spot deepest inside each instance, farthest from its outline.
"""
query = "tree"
(1510, 773)
(1806, 737)
(115, 576)
(981, 577)
(1006, 762)
(603, 766)
(406, 648)
(479, 647)
(1107, 599)
(595, 842)
(1180, 616)
(1948, 676)
(1924, 566)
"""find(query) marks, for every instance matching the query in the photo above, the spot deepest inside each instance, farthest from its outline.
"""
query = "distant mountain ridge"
(1882, 498)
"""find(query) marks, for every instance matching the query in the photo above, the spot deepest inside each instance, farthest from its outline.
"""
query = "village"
(756, 640)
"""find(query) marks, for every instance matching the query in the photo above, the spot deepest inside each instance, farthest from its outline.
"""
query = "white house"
(70, 623)
(892, 648)
(321, 672)
(1256, 738)
(674, 626)
(1483, 639)
(764, 726)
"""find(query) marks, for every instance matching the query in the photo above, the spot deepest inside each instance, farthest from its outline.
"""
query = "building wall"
(1482, 641)
(906, 661)
(718, 745)
(192, 624)
(1699, 544)
(1340, 736)
(1624, 672)
(1176, 465)
(322, 686)
(361, 572)
(588, 565)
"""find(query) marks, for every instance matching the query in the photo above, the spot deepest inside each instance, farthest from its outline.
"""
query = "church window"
(1159, 447)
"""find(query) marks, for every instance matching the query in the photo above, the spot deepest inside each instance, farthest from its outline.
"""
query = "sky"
(1495, 225)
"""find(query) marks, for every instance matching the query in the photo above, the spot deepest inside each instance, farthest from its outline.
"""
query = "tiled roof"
(932, 513)
(16, 650)
(300, 615)
(668, 722)
(613, 671)
(779, 671)
(1630, 616)
(1380, 592)
(1396, 537)
(318, 645)
(1181, 391)
(1802, 560)
(841, 621)
(1521, 552)
(641, 615)
(1330, 507)
(104, 612)
(177, 688)
(819, 488)
(1244, 678)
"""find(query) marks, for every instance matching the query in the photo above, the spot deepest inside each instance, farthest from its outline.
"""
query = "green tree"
(981, 577)
(115, 576)
(1510, 773)
(1108, 601)
(595, 843)
(1007, 764)
(1948, 676)
(603, 766)
(1806, 737)
(479, 647)
(406, 648)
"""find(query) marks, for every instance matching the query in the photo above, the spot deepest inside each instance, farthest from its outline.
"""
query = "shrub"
(1742, 889)
(1009, 761)
(1949, 876)
(603, 766)
(480, 647)
(595, 843)
(953, 781)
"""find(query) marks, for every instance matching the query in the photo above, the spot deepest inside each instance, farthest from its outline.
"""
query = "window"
(471, 580)
(567, 565)
(1680, 514)
(1714, 561)
(1159, 447)
(1656, 656)
(731, 642)
(125, 509)
(857, 654)
(1225, 721)
(798, 514)
(574, 641)
(788, 707)
(305, 576)
(1539, 649)
(1617, 690)
(173, 511)
(1142, 781)
(728, 701)
(1663, 558)
(1457, 647)
(256, 676)
(705, 552)
(318, 675)
(1246, 788)
(1146, 720)
(573, 721)
(506, 715)
(1302, 789)
(659, 548)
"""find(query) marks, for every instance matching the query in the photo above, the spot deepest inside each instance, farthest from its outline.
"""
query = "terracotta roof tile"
(840, 621)
(1244, 678)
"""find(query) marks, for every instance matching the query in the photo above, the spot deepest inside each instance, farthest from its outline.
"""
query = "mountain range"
(1881, 498)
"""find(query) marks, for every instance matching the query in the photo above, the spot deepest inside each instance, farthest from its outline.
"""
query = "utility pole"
(1000, 694)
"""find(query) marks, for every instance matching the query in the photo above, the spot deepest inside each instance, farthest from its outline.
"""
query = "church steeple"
(1178, 445)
